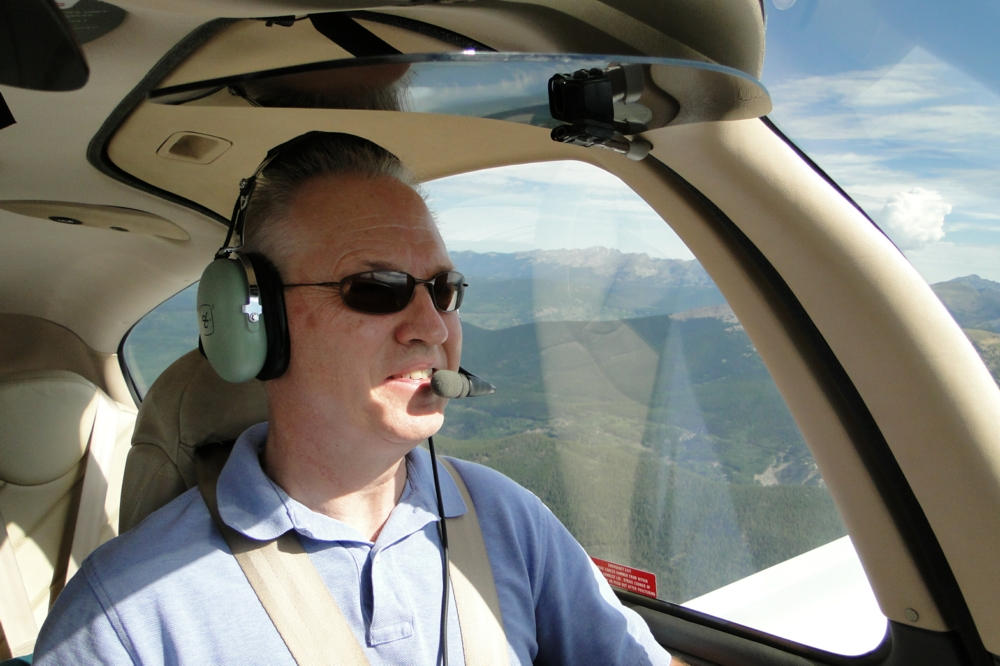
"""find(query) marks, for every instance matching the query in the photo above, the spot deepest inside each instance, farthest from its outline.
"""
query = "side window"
(167, 332)
(633, 403)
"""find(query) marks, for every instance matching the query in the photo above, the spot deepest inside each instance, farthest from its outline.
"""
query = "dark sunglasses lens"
(448, 290)
(380, 292)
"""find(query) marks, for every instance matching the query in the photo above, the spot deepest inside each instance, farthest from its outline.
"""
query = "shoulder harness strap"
(17, 619)
(483, 639)
(285, 581)
(307, 616)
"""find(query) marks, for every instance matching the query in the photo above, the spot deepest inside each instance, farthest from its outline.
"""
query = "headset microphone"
(450, 384)
(461, 384)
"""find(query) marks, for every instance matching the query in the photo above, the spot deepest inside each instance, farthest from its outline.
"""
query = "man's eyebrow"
(380, 265)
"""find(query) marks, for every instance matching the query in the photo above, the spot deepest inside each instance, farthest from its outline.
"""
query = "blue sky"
(895, 99)
(898, 101)
(548, 206)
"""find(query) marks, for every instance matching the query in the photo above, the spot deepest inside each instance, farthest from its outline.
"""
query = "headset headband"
(237, 221)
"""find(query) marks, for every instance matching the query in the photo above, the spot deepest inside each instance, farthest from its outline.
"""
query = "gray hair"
(299, 161)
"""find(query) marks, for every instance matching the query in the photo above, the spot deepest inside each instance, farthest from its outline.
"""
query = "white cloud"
(915, 144)
(905, 84)
(951, 127)
(919, 101)
(914, 218)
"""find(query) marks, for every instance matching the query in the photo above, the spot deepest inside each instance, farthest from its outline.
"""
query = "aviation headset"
(243, 331)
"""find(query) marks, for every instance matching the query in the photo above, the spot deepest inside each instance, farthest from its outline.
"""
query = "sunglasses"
(384, 292)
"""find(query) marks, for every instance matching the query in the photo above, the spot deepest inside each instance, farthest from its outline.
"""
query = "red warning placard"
(628, 578)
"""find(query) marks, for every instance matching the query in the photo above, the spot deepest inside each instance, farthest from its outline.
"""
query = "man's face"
(360, 375)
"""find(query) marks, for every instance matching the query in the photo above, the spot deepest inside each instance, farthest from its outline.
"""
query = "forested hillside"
(656, 440)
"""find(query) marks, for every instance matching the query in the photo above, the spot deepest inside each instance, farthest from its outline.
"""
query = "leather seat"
(61, 460)
(188, 405)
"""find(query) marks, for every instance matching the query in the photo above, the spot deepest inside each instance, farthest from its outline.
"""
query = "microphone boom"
(461, 384)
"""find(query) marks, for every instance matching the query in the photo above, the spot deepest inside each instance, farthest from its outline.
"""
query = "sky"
(895, 99)
(549, 206)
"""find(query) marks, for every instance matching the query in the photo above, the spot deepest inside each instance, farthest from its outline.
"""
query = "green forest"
(660, 443)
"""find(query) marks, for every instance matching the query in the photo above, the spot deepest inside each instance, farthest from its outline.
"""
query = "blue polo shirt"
(170, 592)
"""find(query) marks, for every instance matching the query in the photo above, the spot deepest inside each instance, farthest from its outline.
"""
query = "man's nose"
(422, 321)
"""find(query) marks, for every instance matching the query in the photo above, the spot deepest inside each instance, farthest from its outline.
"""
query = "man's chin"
(416, 428)
(431, 425)
(415, 419)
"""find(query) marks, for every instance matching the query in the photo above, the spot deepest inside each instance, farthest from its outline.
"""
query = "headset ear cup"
(234, 341)
(272, 298)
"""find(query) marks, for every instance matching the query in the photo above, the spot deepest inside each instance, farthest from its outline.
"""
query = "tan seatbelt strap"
(306, 614)
(275, 567)
(16, 616)
(92, 520)
(483, 639)
(289, 588)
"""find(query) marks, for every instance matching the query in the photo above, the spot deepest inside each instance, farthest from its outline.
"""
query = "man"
(337, 463)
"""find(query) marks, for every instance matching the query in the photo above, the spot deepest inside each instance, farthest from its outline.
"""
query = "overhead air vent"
(193, 147)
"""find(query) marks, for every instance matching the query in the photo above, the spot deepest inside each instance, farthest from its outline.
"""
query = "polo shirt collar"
(251, 503)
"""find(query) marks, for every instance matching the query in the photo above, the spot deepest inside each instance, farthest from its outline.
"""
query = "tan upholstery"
(62, 452)
(186, 406)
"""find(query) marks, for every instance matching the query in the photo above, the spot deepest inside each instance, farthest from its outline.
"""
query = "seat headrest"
(47, 418)
(189, 405)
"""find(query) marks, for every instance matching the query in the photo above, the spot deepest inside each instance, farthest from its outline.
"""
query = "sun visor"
(585, 100)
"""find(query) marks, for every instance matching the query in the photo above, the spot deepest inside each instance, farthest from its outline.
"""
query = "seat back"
(62, 454)
(188, 405)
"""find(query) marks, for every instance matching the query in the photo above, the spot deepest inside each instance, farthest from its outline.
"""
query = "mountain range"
(600, 284)
(973, 301)
(595, 284)
(975, 304)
